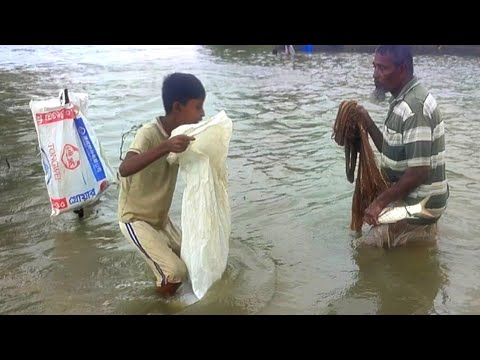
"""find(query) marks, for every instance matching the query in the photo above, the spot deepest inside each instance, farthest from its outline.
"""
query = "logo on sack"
(46, 167)
(70, 157)
(89, 194)
(59, 204)
(54, 162)
(54, 116)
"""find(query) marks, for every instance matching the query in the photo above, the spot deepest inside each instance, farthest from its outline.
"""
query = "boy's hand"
(179, 143)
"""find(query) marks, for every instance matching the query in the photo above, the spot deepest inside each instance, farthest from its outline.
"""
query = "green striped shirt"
(414, 135)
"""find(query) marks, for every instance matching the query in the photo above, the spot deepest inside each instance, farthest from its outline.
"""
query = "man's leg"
(399, 234)
(376, 236)
(404, 234)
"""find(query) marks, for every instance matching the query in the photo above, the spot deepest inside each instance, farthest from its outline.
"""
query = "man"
(412, 150)
(283, 49)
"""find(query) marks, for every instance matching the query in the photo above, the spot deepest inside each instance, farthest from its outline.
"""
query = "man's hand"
(364, 117)
(371, 213)
(368, 124)
(179, 143)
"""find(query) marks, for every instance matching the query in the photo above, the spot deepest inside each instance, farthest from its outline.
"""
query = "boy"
(148, 181)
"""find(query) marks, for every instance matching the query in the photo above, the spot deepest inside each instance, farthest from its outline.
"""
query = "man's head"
(393, 67)
(183, 96)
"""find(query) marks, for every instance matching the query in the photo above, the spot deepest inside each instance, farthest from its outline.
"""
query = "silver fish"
(391, 215)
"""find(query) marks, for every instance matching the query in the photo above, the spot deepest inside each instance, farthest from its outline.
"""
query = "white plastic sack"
(76, 171)
(205, 205)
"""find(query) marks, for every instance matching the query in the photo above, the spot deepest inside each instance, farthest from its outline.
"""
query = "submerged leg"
(168, 289)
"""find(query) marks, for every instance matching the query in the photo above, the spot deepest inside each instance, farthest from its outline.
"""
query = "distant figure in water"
(283, 49)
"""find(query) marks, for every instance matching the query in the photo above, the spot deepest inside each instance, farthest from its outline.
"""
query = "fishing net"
(350, 132)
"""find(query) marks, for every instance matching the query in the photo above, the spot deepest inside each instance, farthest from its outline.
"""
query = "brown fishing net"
(350, 132)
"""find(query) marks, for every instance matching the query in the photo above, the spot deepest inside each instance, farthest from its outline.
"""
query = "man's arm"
(372, 129)
(135, 162)
(412, 178)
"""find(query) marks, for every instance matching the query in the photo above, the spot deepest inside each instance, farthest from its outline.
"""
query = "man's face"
(192, 112)
(386, 74)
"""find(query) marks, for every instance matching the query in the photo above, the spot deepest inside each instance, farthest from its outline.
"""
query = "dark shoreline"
(417, 49)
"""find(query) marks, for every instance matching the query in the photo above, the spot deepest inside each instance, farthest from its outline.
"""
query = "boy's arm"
(135, 162)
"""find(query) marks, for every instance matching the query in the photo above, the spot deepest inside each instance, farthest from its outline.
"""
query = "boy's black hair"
(180, 87)
(402, 54)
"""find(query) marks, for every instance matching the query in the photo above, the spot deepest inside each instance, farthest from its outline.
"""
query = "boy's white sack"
(76, 170)
(205, 205)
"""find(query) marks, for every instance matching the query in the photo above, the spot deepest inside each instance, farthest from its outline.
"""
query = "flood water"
(291, 248)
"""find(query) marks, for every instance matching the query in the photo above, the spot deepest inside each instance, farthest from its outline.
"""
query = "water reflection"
(290, 244)
(399, 281)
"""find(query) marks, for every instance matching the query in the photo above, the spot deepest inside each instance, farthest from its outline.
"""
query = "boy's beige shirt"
(147, 195)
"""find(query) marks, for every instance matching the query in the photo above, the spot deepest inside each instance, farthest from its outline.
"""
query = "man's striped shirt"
(414, 135)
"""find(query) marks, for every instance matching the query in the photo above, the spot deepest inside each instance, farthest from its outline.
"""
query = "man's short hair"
(401, 54)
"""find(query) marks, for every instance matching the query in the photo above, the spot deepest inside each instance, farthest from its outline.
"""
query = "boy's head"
(183, 96)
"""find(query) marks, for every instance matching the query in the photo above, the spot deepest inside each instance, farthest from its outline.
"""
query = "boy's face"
(190, 113)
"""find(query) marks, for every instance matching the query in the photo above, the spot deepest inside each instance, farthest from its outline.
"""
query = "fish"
(391, 215)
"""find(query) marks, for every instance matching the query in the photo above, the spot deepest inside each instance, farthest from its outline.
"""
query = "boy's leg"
(174, 236)
(175, 242)
(153, 244)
